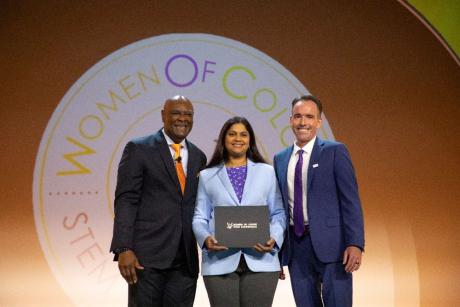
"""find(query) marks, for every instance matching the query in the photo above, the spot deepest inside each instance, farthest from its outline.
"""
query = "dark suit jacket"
(334, 208)
(151, 214)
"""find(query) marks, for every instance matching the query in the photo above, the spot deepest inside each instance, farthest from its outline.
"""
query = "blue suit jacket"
(260, 188)
(334, 209)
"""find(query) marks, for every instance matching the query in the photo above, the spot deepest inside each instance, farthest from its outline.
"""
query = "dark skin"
(237, 144)
(127, 264)
(177, 116)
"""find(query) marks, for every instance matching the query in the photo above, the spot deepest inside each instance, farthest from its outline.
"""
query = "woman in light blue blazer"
(237, 175)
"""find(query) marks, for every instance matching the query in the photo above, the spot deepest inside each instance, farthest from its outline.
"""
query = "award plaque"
(241, 226)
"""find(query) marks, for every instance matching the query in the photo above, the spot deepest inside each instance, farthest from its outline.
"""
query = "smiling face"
(237, 140)
(305, 121)
(177, 116)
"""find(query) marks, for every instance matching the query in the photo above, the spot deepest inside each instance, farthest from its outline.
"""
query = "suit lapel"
(223, 176)
(193, 165)
(249, 180)
(283, 166)
(314, 160)
(165, 154)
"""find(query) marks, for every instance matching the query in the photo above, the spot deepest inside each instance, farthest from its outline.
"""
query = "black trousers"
(157, 288)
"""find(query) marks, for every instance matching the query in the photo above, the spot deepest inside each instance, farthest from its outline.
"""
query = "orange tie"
(179, 168)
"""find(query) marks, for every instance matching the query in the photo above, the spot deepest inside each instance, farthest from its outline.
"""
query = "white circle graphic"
(120, 98)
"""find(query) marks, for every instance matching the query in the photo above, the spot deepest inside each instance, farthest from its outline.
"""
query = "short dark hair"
(220, 152)
(312, 98)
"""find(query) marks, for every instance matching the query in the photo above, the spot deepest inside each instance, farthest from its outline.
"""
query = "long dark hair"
(220, 152)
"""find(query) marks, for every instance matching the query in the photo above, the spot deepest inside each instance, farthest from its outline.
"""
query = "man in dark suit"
(155, 195)
(325, 239)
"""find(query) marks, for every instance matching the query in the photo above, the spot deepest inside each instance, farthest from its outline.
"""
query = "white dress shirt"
(307, 149)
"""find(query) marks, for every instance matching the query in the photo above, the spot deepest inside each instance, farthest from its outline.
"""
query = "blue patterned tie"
(298, 208)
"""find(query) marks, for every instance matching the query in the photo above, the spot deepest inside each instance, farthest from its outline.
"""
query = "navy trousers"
(314, 283)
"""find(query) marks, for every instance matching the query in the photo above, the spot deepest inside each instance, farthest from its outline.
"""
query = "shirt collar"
(308, 148)
(170, 141)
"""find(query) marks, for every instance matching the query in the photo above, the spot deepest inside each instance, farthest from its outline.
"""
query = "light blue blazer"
(215, 189)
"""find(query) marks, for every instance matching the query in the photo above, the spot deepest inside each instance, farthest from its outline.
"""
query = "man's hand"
(268, 247)
(213, 246)
(352, 258)
(127, 264)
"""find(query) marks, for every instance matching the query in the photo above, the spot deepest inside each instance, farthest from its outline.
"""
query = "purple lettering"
(206, 69)
(195, 66)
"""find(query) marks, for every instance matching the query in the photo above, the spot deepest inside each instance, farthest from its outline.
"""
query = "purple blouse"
(237, 176)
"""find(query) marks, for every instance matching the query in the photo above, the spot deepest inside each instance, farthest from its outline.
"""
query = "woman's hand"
(213, 246)
(267, 248)
(282, 276)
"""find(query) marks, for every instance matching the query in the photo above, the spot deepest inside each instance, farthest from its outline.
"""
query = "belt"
(306, 229)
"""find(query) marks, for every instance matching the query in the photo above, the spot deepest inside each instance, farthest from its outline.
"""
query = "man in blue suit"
(325, 240)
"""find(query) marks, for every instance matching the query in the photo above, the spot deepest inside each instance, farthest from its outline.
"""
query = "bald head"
(177, 99)
(177, 116)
